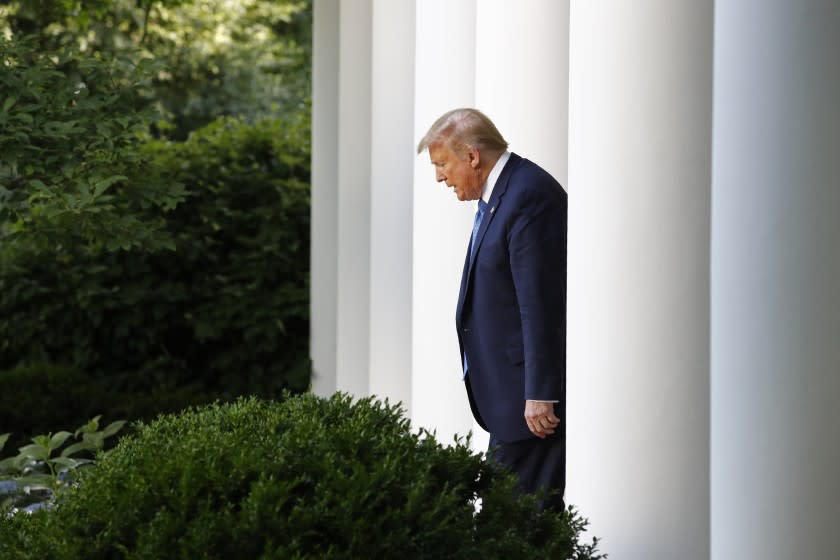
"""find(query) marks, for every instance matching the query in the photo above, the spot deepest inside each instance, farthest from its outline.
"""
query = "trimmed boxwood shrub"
(302, 478)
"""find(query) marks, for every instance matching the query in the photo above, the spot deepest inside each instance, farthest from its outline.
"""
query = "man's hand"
(540, 418)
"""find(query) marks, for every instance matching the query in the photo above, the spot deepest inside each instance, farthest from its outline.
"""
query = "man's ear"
(474, 157)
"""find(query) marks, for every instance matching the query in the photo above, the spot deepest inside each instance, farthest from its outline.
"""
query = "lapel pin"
(493, 209)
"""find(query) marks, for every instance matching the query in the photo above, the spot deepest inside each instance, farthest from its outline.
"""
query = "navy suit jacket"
(511, 315)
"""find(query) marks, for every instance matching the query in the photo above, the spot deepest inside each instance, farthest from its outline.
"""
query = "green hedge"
(305, 478)
(224, 314)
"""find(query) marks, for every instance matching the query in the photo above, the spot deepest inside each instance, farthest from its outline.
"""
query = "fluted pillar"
(775, 281)
(638, 348)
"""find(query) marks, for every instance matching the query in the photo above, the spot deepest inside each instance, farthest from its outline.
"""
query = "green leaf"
(65, 463)
(77, 447)
(101, 186)
(95, 439)
(39, 185)
(113, 428)
(35, 451)
(8, 104)
(37, 480)
(3, 439)
(91, 426)
(12, 464)
(58, 440)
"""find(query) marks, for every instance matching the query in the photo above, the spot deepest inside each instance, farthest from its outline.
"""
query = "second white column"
(639, 197)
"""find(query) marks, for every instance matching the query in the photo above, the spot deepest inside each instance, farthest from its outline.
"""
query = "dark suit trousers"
(539, 463)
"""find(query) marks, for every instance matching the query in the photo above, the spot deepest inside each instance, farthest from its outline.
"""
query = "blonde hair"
(464, 128)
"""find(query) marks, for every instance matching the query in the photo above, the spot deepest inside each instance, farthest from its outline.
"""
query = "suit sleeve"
(537, 246)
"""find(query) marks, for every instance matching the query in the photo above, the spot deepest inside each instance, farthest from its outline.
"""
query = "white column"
(341, 212)
(324, 225)
(775, 279)
(445, 79)
(638, 348)
(392, 178)
(522, 77)
(354, 210)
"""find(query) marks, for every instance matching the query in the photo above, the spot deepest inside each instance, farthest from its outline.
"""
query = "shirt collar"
(490, 183)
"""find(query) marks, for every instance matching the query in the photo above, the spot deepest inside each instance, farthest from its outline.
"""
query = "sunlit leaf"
(77, 447)
(65, 463)
(113, 428)
(58, 439)
(35, 451)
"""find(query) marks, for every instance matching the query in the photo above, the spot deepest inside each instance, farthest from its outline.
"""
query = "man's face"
(459, 171)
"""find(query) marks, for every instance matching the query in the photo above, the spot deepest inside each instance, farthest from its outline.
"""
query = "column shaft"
(445, 79)
(324, 228)
(392, 177)
(638, 348)
(354, 210)
(522, 77)
(775, 278)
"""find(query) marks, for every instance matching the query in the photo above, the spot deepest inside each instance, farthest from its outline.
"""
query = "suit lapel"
(492, 207)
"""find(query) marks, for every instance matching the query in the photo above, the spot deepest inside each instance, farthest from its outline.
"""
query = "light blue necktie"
(479, 214)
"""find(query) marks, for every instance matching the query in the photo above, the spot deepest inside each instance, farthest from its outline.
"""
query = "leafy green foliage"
(246, 58)
(121, 291)
(37, 467)
(225, 313)
(305, 478)
(249, 59)
(20, 535)
(70, 169)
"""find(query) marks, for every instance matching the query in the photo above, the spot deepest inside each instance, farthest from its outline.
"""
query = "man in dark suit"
(511, 314)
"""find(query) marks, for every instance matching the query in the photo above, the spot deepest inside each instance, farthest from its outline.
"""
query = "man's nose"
(439, 177)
